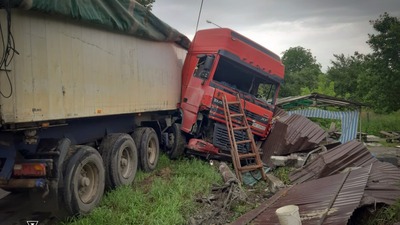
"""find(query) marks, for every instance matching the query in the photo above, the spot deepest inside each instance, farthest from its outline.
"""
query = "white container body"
(288, 215)
(70, 70)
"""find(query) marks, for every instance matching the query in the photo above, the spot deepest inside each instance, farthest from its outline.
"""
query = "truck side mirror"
(204, 66)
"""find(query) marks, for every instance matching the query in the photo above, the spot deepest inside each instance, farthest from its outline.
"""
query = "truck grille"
(249, 115)
(221, 139)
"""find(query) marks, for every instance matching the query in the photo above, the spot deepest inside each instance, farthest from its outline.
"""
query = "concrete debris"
(372, 138)
(373, 144)
(274, 184)
(292, 160)
(227, 174)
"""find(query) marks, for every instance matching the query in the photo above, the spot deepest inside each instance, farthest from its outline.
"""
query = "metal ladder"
(243, 125)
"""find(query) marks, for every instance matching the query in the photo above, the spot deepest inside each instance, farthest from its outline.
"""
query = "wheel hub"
(85, 181)
(124, 162)
(151, 151)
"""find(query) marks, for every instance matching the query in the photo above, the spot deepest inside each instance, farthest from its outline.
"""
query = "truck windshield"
(245, 79)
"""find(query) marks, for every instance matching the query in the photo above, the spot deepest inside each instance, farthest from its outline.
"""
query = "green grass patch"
(283, 173)
(164, 196)
(372, 123)
(386, 215)
(240, 209)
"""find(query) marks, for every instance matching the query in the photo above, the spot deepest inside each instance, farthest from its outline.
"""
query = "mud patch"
(164, 173)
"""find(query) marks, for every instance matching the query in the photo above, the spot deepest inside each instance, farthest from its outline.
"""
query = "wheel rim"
(152, 151)
(125, 163)
(88, 182)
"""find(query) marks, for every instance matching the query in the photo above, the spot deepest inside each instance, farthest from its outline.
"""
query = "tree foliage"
(383, 80)
(324, 86)
(345, 72)
(372, 78)
(146, 3)
(301, 70)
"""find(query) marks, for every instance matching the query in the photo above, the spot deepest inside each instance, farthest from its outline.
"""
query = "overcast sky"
(326, 27)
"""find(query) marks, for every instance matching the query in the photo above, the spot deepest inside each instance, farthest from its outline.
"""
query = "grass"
(165, 196)
(372, 123)
(283, 173)
(386, 215)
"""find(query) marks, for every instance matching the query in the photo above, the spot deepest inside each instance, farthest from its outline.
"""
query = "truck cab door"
(195, 90)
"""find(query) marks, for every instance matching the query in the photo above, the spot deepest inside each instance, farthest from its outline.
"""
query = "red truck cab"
(222, 62)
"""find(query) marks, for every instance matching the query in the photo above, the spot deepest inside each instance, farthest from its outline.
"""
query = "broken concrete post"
(227, 174)
(279, 160)
(274, 183)
(291, 160)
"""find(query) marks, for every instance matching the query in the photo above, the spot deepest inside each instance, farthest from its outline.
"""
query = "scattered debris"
(374, 144)
(337, 196)
(391, 136)
(350, 154)
(274, 184)
(227, 174)
(293, 160)
(220, 200)
(252, 177)
(292, 133)
(372, 138)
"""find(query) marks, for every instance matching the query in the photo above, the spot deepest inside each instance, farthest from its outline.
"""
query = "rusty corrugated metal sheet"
(290, 134)
(350, 154)
(333, 199)
(279, 112)
(383, 184)
(329, 200)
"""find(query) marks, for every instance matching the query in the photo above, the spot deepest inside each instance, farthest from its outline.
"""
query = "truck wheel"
(120, 158)
(137, 136)
(83, 181)
(177, 140)
(148, 146)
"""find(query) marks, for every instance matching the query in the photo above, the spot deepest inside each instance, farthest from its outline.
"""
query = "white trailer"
(83, 105)
(67, 69)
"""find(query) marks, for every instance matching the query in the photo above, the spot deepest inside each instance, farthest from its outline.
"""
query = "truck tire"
(178, 141)
(137, 136)
(83, 181)
(149, 149)
(120, 159)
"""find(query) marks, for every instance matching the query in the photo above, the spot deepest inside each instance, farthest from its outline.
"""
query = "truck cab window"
(244, 79)
(203, 66)
(266, 92)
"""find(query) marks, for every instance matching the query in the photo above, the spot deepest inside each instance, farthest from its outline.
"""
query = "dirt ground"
(226, 203)
(387, 154)
(213, 210)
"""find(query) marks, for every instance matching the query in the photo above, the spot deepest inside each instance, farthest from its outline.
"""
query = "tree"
(383, 79)
(324, 86)
(148, 4)
(301, 70)
(345, 72)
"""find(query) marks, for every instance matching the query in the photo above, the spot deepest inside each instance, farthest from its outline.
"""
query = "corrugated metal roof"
(383, 184)
(279, 112)
(333, 199)
(329, 200)
(350, 154)
(318, 100)
(292, 133)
